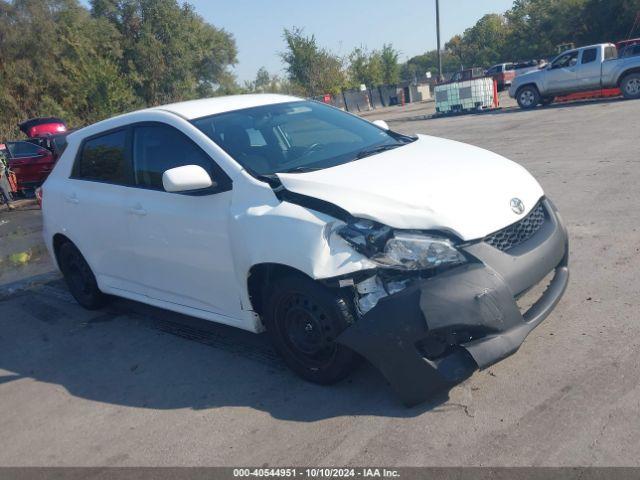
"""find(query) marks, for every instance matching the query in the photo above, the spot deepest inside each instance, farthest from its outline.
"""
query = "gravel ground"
(133, 385)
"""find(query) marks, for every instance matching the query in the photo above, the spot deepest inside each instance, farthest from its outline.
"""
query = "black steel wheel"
(79, 277)
(303, 319)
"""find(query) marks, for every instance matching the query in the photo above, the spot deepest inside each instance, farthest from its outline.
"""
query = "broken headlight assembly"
(400, 250)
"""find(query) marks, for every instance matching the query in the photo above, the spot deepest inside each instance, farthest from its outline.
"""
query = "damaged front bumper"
(437, 331)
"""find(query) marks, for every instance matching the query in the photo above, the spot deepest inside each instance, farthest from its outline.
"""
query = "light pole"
(438, 39)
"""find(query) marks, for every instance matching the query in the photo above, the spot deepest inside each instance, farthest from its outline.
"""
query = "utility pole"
(440, 77)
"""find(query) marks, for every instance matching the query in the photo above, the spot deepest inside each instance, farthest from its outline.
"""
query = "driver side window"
(567, 60)
(158, 148)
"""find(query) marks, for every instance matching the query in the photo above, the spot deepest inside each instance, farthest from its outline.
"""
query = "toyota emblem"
(517, 206)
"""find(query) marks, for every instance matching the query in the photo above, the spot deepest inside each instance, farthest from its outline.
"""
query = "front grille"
(519, 232)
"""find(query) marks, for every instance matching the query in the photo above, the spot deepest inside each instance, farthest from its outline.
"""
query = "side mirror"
(186, 178)
(382, 124)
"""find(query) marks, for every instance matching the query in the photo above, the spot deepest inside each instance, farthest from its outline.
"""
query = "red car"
(30, 163)
(31, 160)
(42, 126)
(502, 73)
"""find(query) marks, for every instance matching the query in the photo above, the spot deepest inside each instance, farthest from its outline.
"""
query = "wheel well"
(58, 241)
(627, 72)
(260, 276)
(526, 85)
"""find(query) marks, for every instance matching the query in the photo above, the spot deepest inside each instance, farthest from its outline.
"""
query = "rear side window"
(23, 149)
(158, 148)
(103, 159)
(631, 51)
(610, 53)
(589, 55)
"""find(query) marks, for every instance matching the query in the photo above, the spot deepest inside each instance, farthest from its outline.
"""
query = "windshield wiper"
(378, 149)
(301, 169)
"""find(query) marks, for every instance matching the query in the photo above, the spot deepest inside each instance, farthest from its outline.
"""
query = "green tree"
(417, 67)
(390, 65)
(609, 20)
(365, 68)
(537, 27)
(57, 60)
(311, 69)
(169, 51)
(262, 81)
(484, 43)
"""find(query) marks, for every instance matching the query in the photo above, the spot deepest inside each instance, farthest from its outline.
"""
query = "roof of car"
(210, 106)
(192, 109)
(593, 46)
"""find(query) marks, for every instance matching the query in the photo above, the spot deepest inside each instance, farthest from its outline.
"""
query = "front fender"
(267, 230)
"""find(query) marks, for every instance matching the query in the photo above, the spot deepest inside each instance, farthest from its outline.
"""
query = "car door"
(588, 69)
(561, 76)
(31, 163)
(96, 199)
(181, 239)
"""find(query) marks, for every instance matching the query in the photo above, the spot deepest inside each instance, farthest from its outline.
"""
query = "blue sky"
(339, 25)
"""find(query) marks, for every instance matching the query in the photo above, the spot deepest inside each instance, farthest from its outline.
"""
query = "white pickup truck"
(582, 69)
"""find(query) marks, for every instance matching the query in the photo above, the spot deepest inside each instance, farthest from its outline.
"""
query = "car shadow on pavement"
(139, 356)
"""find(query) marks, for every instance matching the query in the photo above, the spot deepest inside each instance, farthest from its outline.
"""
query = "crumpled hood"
(432, 183)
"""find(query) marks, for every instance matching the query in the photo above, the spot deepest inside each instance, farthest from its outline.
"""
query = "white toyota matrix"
(339, 237)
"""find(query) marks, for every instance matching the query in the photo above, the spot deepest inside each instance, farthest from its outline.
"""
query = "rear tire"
(79, 277)
(303, 319)
(528, 97)
(630, 86)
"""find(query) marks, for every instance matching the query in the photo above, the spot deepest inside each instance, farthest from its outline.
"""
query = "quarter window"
(610, 53)
(103, 159)
(589, 55)
(158, 148)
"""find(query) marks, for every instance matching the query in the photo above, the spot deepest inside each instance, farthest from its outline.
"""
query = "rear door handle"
(72, 199)
(138, 210)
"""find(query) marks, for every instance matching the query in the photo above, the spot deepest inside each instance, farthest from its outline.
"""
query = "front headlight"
(415, 251)
(400, 250)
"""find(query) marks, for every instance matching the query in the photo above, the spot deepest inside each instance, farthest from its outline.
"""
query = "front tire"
(79, 277)
(528, 97)
(547, 101)
(630, 86)
(303, 319)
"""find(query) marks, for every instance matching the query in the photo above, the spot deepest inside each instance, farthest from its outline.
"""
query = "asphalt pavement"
(134, 385)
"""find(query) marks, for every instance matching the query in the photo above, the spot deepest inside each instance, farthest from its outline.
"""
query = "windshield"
(295, 137)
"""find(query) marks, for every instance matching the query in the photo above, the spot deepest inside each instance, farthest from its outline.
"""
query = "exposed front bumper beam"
(475, 301)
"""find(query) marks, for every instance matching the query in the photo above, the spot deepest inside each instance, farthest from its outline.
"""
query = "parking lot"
(134, 385)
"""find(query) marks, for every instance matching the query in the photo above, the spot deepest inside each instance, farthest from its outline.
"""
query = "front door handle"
(138, 210)
(72, 199)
